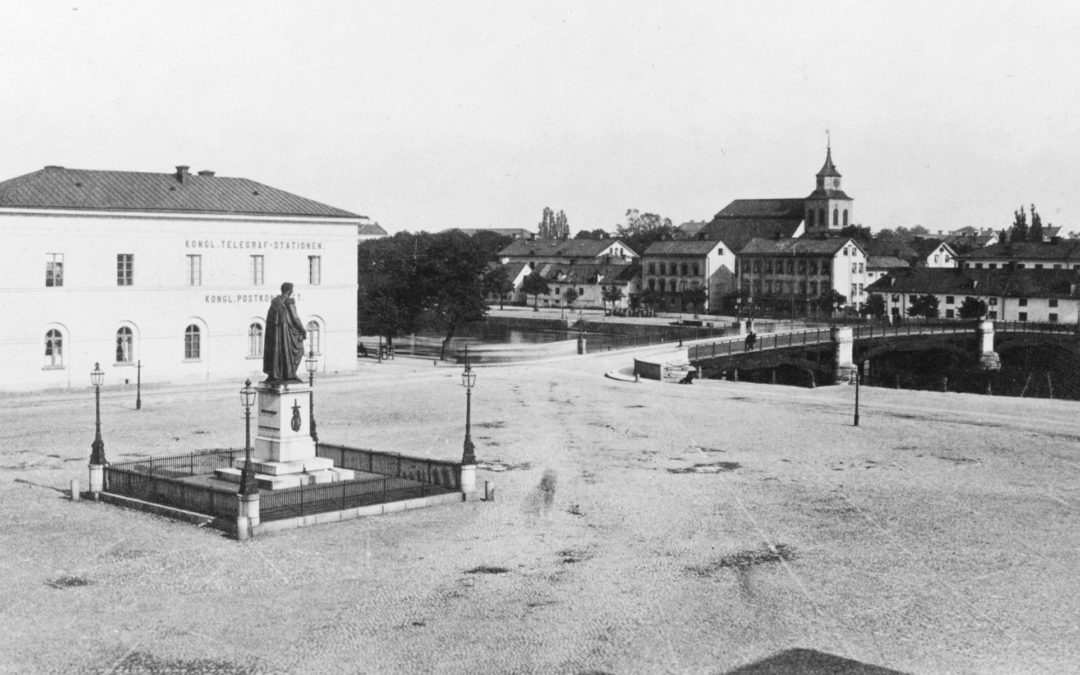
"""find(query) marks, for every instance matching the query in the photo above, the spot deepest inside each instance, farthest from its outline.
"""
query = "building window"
(580, 292)
(950, 299)
(991, 266)
(557, 289)
(1038, 266)
(314, 337)
(1023, 302)
(937, 258)
(821, 218)
(861, 268)
(1019, 266)
(255, 340)
(314, 269)
(1023, 316)
(192, 346)
(1057, 266)
(993, 301)
(992, 314)
(652, 284)
(1053, 317)
(258, 266)
(810, 218)
(845, 218)
(652, 268)
(54, 349)
(695, 269)
(662, 268)
(895, 298)
(950, 314)
(835, 216)
(854, 268)
(194, 270)
(684, 269)
(978, 266)
(125, 269)
(54, 269)
(1053, 302)
(124, 345)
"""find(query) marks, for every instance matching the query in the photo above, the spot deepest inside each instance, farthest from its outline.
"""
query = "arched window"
(845, 217)
(192, 343)
(124, 345)
(821, 218)
(810, 217)
(314, 337)
(255, 340)
(54, 349)
(835, 216)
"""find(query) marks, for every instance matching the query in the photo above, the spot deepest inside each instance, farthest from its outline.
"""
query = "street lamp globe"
(97, 375)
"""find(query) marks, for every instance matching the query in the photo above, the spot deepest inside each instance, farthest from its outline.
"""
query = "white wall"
(90, 307)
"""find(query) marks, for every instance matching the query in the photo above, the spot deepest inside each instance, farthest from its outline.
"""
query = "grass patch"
(487, 569)
(68, 582)
(746, 559)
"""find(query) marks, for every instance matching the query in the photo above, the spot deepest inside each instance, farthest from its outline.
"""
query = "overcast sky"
(430, 115)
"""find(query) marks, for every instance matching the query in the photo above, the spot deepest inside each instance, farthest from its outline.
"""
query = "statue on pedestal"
(283, 346)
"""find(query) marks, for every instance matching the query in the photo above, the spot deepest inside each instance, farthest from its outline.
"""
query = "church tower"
(828, 208)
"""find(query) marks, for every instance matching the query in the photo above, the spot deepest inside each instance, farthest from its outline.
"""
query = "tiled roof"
(885, 262)
(590, 273)
(828, 193)
(1028, 250)
(1016, 283)
(796, 247)
(180, 192)
(690, 228)
(773, 209)
(737, 232)
(694, 247)
(925, 246)
(564, 248)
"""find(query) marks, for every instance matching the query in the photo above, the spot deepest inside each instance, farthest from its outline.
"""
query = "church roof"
(737, 232)
(770, 209)
(56, 187)
(828, 170)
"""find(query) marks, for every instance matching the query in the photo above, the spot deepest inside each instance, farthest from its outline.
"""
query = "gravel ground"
(637, 528)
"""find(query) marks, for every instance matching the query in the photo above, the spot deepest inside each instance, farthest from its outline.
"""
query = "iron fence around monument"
(182, 482)
(172, 481)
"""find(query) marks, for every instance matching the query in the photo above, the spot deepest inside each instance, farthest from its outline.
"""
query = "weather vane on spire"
(828, 140)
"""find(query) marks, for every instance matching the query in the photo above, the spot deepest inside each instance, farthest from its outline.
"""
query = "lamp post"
(858, 369)
(97, 448)
(248, 486)
(312, 363)
(138, 386)
(468, 380)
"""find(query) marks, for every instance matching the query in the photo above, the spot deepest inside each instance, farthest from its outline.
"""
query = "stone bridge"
(833, 354)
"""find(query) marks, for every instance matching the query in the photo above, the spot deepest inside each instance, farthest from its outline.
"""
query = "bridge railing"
(761, 343)
(1033, 327)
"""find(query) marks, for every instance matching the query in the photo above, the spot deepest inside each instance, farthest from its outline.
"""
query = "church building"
(166, 277)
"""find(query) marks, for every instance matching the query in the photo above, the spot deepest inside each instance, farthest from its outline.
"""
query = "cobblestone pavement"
(636, 528)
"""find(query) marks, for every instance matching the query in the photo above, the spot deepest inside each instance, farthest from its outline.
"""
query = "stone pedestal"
(284, 452)
(988, 358)
(468, 479)
(97, 479)
(844, 338)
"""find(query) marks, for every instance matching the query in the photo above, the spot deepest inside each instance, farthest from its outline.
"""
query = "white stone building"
(173, 271)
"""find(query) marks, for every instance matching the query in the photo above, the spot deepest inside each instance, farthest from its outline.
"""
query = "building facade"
(166, 277)
(1042, 296)
(797, 271)
(671, 268)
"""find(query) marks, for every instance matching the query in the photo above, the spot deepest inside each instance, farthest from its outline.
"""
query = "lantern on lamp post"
(312, 363)
(248, 486)
(97, 448)
(468, 380)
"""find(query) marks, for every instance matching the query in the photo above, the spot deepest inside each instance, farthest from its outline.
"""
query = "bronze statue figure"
(283, 346)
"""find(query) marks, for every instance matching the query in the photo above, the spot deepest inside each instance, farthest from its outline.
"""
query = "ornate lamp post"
(248, 486)
(97, 448)
(312, 363)
(468, 380)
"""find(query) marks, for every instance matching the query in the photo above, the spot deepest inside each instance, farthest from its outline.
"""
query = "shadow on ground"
(810, 662)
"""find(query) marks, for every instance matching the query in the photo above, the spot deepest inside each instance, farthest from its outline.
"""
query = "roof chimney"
(181, 172)
(208, 174)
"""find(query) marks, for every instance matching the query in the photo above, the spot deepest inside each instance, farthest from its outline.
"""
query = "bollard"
(74, 490)
(489, 491)
(243, 533)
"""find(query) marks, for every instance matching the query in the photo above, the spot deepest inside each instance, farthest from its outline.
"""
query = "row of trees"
(925, 306)
(412, 282)
(553, 225)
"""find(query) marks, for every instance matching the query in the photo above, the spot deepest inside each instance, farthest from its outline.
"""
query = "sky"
(431, 115)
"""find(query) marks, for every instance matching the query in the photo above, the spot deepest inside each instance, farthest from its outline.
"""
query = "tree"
(641, 230)
(924, 306)
(874, 307)
(649, 299)
(597, 234)
(859, 233)
(497, 282)
(972, 308)
(695, 298)
(553, 226)
(611, 294)
(411, 282)
(830, 301)
(1019, 231)
(1035, 233)
(570, 297)
(534, 285)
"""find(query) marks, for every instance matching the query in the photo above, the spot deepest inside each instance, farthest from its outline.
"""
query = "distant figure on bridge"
(751, 338)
